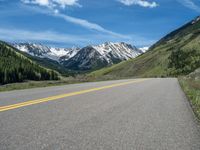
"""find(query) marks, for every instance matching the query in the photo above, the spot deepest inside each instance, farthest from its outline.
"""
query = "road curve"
(140, 114)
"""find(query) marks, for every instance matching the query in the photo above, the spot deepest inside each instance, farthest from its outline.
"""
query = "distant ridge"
(82, 59)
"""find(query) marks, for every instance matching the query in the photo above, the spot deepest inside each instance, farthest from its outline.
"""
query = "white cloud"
(21, 35)
(39, 2)
(88, 25)
(53, 3)
(66, 2)
(102, 33)
(78, 21)
(190, 4)
(25, 35)
(143, 3)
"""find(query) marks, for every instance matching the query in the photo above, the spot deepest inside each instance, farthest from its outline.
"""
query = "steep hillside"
(15, 67)
(178, 53)
(50, 64)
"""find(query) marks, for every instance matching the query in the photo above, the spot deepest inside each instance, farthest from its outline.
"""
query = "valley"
(99, 75)
(176, 54)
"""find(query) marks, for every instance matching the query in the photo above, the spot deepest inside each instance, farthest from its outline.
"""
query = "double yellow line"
(52, 98)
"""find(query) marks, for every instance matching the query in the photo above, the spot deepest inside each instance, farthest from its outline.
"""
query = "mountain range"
(82, 59)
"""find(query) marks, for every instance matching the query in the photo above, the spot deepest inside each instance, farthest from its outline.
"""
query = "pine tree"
(14, 67)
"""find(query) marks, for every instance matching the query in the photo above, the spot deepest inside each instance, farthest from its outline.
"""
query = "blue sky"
(66, 23)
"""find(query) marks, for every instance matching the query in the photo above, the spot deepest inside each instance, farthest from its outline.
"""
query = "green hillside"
(48, 63)
(178, 53)
(15, 67)
(51, 64)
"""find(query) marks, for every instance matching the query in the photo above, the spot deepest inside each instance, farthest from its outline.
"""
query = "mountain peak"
(144, 49)
(93, 57)
(197, 19)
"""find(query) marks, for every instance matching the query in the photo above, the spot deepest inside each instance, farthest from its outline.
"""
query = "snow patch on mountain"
(42, 51)
(196, 20)
(144, 49)
(120, 51)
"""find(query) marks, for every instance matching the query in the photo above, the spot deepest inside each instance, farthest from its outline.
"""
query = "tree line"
(14, 67)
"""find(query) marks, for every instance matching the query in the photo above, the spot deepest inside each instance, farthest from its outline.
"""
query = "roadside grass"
(192, 89)
(36, 84)
(62, 81)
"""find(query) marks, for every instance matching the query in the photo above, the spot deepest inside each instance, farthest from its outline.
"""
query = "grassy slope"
(191, 86)
(155, 62)
(192, 89)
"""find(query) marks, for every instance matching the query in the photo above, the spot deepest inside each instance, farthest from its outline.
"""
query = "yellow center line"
(56, 97)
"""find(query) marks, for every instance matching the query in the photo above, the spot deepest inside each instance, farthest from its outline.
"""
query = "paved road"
(148, 114)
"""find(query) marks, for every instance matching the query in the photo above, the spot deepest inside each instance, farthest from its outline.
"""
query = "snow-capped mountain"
(87, 58)
(195, 20)
(43, 51)
(95, 57)
(144, 49)
(120, 51)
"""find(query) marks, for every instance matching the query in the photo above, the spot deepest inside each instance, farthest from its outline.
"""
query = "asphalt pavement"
(135, 114)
